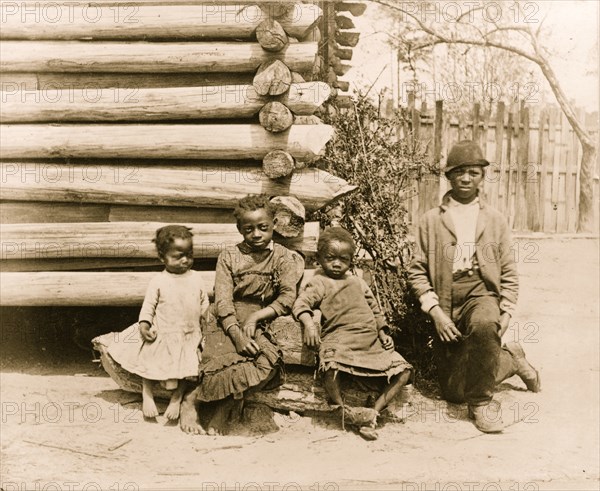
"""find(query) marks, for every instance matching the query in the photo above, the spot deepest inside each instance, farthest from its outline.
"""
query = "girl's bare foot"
(219, 420)
(172, 411)
(148, 406)
(189, 420)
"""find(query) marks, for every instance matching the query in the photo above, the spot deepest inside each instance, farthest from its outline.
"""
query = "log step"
(82, 289)
(21, 105)
(74, 56)
(81, 20)
(183, 185)
(124, 240)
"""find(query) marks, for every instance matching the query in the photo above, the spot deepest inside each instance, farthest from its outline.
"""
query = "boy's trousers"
(470, 369)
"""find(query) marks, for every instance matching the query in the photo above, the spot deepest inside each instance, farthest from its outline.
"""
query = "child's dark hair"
(253, 202)
(334, 234)
(165, 236)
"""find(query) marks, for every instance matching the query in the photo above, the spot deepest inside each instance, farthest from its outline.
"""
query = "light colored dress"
(177, 306)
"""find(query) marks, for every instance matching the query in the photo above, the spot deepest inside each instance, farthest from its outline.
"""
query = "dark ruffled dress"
(246, 282)
(350, 323)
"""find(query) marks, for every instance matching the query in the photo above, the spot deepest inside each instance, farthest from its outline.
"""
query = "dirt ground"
(65, 425)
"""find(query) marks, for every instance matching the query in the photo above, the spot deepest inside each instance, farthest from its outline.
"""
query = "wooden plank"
(77, 20)
(543, 166)
(74, 56)
(32, 212)
(475, 133)
(531, 190)
(564, 198)
(500, 163)
(555, 153)
(84, 264)
(125, 239)
(185, 141)
(438, 131)
(196, 184)
(213, 102)
(510, 168)
(124, 289)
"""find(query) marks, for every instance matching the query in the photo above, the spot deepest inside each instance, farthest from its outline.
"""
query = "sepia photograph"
(299, 245)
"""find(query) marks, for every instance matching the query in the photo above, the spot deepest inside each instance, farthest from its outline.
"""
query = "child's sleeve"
(224, 308)
(291, 269)
(374, 305)
(310, 298)
(150, 301)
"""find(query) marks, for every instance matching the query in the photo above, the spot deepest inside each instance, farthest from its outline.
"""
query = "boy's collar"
(448, 196)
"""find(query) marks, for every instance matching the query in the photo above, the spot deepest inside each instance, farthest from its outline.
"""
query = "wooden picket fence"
(534, 156)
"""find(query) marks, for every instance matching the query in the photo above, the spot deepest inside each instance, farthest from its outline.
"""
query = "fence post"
(500, 164)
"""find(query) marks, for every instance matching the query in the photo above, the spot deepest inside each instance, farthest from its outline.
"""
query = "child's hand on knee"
(147, 331)
(386, 340)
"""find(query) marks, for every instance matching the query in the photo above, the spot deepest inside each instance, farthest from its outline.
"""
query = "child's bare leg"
(331, 380)
(189, 420)
(392, 390)
(172, 411)
(148, 406)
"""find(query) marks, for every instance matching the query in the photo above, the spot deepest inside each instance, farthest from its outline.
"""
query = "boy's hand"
(444, 326)
(386, 340)
(147, 331)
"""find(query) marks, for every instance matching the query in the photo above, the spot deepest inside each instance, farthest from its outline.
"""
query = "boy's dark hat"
(465, 152)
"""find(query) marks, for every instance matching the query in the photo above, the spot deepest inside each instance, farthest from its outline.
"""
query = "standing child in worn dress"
(165, 344)
(354, 338)
(255, 282)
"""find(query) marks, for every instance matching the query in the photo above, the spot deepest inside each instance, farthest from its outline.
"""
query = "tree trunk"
(586, 222)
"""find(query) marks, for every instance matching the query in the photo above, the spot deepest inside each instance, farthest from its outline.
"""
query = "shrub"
(368, 150)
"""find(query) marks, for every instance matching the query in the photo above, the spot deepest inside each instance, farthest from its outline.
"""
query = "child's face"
(336, 259)
(179, 257)
(465, 182)
(257, 228)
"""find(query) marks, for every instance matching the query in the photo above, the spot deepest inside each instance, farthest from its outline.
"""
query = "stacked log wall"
(146, 114)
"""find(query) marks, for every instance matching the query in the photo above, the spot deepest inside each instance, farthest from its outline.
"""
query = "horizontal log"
(66, 288)
(125, 239)
(134, 104)
(85, 264)
(39, 212)
(290, 216)
(339, 84)
(79, 20)
(74, 56)
(169, 214)
(88, 83)
(278, 163)
(273, 77)
(227, 141)
(344, 22)
(200, 185)
(343, 53)
(275, 117)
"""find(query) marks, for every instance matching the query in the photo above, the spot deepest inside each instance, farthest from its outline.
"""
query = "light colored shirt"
(464, 219)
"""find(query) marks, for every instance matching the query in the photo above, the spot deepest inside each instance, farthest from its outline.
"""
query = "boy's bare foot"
(189, 420)
(148, 406)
